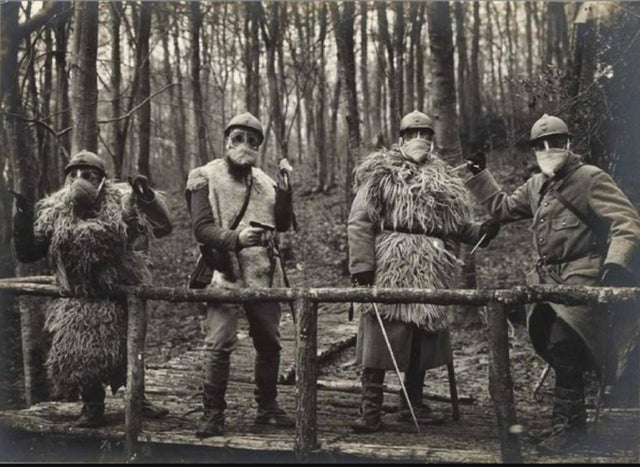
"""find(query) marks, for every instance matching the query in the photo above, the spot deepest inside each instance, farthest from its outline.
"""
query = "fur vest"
(401, 193)
(226, 196)
(91, 256)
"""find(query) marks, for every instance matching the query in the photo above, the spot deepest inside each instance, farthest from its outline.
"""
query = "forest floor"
(319, 260)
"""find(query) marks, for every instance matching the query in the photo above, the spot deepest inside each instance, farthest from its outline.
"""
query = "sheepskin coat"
(394, 192)
(226, 196)
(91, 256)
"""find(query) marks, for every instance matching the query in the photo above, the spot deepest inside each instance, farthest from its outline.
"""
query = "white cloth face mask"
(550, 160)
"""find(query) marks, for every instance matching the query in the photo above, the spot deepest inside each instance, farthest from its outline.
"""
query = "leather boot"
(569, 421)
(370, 419)
(92, 413)
(266, 368)
(214, 389)
(413, 381)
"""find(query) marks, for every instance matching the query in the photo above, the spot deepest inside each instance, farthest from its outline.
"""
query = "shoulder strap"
(567, 204)
(243, 209)
(586, 220)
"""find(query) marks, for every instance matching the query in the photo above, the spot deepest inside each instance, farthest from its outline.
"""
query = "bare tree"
(195, 18)
(343, 24)
(144, 89)
(84, 83)
(442, 69)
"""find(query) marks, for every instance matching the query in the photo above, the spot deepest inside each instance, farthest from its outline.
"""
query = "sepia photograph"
(277, 231)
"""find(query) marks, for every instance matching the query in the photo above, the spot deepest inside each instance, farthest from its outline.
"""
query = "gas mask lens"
(90, 175)
(238, 137)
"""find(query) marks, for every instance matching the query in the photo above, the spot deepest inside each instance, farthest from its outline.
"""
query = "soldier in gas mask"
(409, 210)
(223, 197)
(94, 232)
(586, 232)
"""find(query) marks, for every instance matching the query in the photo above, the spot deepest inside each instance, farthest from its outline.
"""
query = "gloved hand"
(476, 162)
(614, 275)
(363, 279)
(23, 205)
(285, 166)
(283, 177)
(490, 228)
(141, 188)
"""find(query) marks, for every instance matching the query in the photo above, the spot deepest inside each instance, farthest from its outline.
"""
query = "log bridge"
(323, 409)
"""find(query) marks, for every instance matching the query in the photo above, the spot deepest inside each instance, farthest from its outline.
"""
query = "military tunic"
(567, 248)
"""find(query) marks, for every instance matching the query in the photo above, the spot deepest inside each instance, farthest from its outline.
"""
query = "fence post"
(501, 384)
(33, 349)
(136, 332)
(306, 377)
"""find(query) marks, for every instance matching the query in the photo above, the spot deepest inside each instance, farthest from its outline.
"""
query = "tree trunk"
(63, 106)
(182, 146)
(320, 117)
(48, 176)
(420, 52)
(463, 67)
(385, 39)
(196, 24)
(252, 58)
(117, 142)
(476, 122)
(529, 38)
(364, 72)
(444, 94)
(84, 85)
(399, 46)
(333, 133)
(272, 36)
(343, 27)
(144, 89)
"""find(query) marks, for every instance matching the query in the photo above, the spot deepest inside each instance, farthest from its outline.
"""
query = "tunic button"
(546, 203)
(541, 240)
(541, 221)
(564, 222)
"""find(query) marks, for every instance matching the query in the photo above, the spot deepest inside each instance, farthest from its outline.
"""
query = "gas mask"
(85, 186)
(550, 160)
(242, 148)
(417, 149)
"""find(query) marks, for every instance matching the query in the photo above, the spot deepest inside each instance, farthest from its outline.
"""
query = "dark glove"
(614, 275)
(490, 228)
(23, 205)
(140, 185)
(476, 162)
(363, 279)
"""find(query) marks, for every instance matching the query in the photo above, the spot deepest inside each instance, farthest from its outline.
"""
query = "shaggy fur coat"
(91, 256)
(401, 193)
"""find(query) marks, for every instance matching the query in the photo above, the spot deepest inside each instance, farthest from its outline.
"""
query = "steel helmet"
(86, 158)
(548, 125)
(415, 120)
(245, 120)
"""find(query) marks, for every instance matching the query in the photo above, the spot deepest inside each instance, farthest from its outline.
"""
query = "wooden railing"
(304, 300)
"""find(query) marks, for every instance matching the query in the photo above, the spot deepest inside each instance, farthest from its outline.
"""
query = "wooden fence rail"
(305, 302)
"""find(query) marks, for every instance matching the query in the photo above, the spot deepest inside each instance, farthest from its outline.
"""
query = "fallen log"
(289, 375)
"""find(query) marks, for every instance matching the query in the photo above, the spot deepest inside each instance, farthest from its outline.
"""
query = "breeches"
(221, 326)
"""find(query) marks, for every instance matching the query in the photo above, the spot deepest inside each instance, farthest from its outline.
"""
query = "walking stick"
(395, 365)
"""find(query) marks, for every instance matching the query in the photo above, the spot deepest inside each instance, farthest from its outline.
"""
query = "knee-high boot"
(372, 396)
(216, 377)
(413, 381)
(266, 368)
